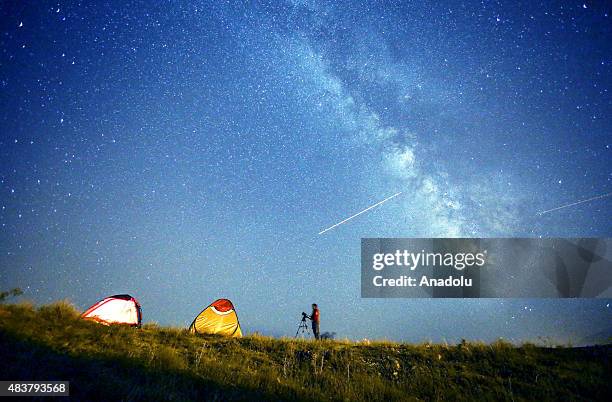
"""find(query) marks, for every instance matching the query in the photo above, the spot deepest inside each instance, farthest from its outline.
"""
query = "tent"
(218, 318)
(118, 309)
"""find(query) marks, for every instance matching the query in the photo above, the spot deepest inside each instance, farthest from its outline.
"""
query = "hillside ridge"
(51, 342)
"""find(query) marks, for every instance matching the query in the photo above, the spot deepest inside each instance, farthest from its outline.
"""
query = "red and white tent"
(118, 309)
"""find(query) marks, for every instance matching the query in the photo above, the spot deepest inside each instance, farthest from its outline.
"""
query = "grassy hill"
(120, 363)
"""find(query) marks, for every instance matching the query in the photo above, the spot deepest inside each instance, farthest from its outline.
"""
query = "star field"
(186, 151)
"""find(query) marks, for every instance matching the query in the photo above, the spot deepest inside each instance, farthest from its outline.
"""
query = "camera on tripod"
(303, 327)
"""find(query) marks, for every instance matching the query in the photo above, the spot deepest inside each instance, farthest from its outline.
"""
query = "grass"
(157, 363)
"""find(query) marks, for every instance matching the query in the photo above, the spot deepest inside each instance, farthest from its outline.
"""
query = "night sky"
(186, 151)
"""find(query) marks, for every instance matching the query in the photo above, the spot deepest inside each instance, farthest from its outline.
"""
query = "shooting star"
(359, 213)
(575, 203)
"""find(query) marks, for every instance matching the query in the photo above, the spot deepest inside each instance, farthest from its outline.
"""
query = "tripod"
(303, 329)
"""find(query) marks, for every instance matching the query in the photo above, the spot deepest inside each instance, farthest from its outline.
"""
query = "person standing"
(315, 317)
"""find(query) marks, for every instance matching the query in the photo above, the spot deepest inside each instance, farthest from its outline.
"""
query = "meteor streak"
(359, 213)
(575, 203)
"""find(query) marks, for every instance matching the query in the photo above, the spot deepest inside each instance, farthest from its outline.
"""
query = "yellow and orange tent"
(218, 318)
